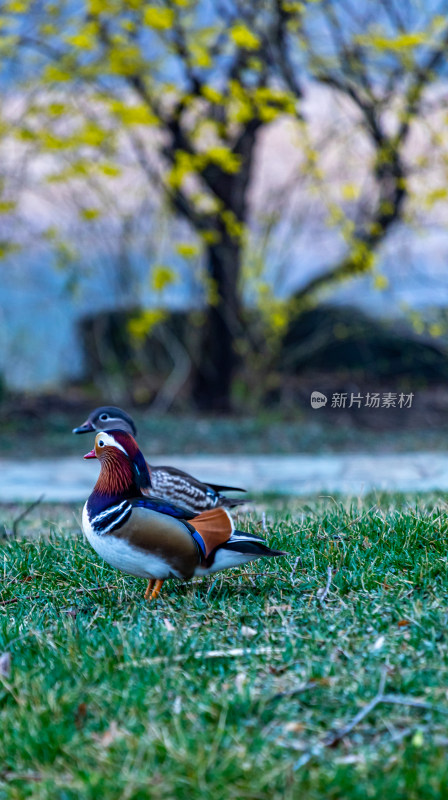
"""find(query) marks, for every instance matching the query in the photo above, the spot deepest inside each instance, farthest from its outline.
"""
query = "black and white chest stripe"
(111, 518)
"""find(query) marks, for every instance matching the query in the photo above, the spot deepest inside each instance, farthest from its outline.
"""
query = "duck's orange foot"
(153, 589)
(149, 588)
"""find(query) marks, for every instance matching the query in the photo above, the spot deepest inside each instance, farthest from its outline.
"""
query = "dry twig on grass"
(233, 652)
(294, 568)
(322, 594)
(304, 687)
(332, 739)
(12, 532)
(27, 510)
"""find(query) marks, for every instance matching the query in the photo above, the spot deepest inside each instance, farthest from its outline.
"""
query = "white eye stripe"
(109, 440)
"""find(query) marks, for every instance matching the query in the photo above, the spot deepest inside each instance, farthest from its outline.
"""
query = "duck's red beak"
(90, 454)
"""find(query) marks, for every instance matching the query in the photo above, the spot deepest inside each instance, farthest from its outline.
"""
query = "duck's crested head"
(108, 441)
(107, 418)
(123, 467)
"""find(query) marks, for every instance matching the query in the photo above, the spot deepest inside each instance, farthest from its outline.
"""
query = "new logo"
(318, 399)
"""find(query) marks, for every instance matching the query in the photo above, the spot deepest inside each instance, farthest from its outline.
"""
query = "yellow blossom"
(143, 323)
(162, 276)
(243, 37)
(187, 250)
(160, 19)
(380, 282)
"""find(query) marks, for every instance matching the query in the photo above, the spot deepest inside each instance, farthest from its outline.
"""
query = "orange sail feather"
(215, 526)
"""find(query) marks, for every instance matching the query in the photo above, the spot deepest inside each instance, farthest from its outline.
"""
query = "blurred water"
(39, 315)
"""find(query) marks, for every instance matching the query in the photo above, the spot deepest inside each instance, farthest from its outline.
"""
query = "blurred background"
(209, 210)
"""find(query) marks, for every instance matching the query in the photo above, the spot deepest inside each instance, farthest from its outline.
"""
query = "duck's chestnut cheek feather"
(90, 454)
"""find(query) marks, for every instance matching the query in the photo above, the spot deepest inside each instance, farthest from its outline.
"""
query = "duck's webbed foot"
(153, 589)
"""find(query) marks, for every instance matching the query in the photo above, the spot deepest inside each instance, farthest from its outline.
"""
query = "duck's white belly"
(123, 556)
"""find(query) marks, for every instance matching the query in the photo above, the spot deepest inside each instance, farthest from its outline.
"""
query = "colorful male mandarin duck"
(168, 482)
(149, 537)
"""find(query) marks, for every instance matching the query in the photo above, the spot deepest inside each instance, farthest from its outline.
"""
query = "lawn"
(252, 684)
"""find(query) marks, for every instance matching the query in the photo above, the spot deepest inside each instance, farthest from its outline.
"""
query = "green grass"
(193, 697)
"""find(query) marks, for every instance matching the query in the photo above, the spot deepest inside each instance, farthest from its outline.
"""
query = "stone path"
(72, 478)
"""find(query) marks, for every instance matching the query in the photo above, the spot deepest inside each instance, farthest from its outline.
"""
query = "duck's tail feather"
(230, 502)
(243, 542)
(218, 488)
(240, 548)
(256, 549)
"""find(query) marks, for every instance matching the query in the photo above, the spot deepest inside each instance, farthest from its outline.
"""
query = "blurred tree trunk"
(218, 360)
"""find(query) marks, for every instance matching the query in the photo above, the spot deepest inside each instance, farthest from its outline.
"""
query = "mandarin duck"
(149, 537)
(168, 482)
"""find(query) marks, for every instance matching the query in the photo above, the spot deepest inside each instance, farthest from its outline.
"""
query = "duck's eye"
(100, 443)
(103, 417)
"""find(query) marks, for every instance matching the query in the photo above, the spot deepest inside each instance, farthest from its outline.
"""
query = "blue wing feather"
(163, 507)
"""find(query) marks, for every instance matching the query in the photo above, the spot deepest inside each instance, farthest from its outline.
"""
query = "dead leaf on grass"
(240, 680)
(278, 670)
(294, 744)
(277, 609)
(110, 735)
(293, 727)
(351, 758)
(80, 715)
(323, 681)
(177, 705)
(5, 665)
(21, 776)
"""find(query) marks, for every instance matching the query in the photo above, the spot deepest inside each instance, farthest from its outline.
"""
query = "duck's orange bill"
(90, 454)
